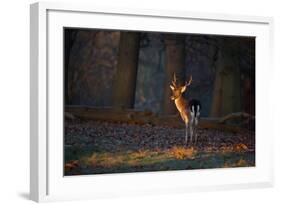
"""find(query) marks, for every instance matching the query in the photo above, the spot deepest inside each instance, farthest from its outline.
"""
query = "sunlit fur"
(189, 114)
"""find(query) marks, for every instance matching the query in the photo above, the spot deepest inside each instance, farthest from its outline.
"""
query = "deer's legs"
(191, 132)
(186, 132)
(195, 135)
(195, 129)
(191, 127)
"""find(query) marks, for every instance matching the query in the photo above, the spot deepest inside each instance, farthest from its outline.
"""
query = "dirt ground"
(92, 147)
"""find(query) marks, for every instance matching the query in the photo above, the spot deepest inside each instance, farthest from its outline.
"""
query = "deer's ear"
(183, 88)
(172, 87)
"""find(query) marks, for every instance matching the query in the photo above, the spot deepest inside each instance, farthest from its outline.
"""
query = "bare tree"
(174, 63)
(227, 86)
(124, 84)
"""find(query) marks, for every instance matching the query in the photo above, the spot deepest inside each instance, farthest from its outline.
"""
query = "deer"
(188, 110)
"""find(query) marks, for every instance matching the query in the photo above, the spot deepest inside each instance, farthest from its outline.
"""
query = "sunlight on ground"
(177, 157)
(141, 157)
(183, 153)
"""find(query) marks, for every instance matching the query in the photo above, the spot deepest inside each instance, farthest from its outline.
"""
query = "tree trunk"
(174, 63)
(124, 84)
(69, 38)
(227, 88)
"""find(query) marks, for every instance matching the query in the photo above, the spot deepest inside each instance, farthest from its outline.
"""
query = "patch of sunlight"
(149, 157)
(240, 147)
(105, 160)
(239, 163)
(140, 157)
(139, 154)
(183, 153)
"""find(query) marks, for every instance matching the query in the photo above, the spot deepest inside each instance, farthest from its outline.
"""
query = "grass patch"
(176, 158)
(183, 153)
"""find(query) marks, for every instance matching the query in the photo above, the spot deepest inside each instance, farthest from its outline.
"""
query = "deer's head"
(178, 90)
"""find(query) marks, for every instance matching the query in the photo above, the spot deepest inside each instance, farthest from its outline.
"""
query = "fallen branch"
(69, 116)
(143, 117)
(237, 115)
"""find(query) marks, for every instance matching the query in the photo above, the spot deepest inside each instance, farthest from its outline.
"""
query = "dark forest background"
(98, 64)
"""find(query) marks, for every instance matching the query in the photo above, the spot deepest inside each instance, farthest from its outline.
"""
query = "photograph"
(143, 101)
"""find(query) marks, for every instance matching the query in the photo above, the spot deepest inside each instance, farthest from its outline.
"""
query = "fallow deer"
(189, 110)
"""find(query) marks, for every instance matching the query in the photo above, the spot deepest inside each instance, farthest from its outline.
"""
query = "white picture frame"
(47, 182)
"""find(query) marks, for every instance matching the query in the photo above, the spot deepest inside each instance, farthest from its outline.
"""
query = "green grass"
(177, 158)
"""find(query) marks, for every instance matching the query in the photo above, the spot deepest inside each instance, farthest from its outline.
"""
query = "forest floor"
(92, 147)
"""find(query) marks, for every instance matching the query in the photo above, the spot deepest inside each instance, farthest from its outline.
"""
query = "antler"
(174, 81)
(189, 82)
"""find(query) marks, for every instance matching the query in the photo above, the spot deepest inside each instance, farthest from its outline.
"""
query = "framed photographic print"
(129, 101)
